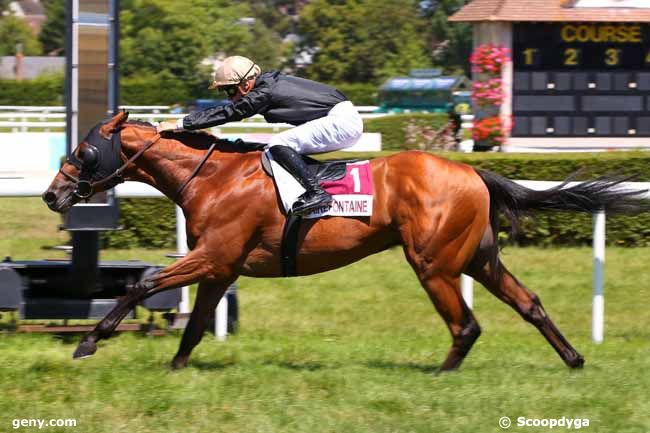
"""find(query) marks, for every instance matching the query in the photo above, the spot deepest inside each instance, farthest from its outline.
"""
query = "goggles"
(230, 91)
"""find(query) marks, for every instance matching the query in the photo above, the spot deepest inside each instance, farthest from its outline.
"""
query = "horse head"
(94, 166)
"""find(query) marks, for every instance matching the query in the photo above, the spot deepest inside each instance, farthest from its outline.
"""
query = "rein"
(196, 169)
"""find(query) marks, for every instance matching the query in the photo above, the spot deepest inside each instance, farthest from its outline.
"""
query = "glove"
(168, 126)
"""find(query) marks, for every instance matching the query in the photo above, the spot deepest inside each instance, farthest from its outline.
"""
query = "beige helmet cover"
(233, 70)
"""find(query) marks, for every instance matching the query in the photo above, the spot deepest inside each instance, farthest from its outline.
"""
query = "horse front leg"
(188, 270)
(208, 296)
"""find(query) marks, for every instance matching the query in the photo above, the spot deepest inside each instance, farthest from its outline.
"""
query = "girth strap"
(289, 244)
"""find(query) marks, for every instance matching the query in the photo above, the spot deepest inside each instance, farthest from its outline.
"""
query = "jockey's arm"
(252, 103)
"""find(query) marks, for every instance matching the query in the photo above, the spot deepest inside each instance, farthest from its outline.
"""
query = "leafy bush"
(405, 131)
(43, 90)
(147, 222)
(146, 89)
(359, 93)
(160, 89)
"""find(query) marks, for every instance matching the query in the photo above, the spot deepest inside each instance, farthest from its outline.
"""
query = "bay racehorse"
(444, 214)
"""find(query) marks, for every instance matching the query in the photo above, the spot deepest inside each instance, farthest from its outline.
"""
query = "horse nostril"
(49, 198)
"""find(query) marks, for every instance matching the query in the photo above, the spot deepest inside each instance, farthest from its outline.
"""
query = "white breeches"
(341, 128)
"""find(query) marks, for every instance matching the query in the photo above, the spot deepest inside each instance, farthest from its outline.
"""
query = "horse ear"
(112, 125)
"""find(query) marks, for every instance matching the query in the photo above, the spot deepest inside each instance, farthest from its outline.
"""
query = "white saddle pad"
(343, 205)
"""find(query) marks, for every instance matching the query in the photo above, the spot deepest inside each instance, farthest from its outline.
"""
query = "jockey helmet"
(234, 70)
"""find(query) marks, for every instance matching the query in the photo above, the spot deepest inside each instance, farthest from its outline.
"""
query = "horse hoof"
(577, 362)
(84, 350)
(178, 364)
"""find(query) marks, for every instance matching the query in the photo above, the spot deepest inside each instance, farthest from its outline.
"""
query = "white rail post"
(181, 248)
(221, 312)
(598, 307)
(467, 289)
(221, 319)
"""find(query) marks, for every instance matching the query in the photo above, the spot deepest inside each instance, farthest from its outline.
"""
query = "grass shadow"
(298, 366)
(385, 365)
(211, 365)
(69, 338)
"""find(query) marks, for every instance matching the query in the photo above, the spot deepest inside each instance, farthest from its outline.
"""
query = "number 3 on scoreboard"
(613, 56)
(572, 57)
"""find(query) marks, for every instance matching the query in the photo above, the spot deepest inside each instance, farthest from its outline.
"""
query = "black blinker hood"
(108, 157)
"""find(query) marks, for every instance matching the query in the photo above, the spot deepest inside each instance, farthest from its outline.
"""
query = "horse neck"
(166, 165)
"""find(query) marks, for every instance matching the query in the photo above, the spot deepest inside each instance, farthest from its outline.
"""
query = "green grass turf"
(353, 350)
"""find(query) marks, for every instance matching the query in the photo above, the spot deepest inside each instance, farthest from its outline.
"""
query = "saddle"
(323, 170)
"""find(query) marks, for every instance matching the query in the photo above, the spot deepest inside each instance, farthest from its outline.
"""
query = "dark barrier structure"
(83, 287)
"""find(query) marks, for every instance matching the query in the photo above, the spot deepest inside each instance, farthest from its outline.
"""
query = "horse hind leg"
(507, 288)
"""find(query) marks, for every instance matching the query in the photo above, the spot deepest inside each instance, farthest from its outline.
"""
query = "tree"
(451, 42)
(174, 36)
(164, 41)
(269, 13)
(14, 32)
(52, 35)
(363, 40)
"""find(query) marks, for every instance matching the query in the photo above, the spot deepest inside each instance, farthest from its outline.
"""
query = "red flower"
(489, 59)
(488, 93)
(491, 129)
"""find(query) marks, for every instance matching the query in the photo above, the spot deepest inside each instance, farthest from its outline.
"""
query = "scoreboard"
(581, 80)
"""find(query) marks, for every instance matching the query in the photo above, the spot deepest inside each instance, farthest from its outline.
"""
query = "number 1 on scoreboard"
(531, 56)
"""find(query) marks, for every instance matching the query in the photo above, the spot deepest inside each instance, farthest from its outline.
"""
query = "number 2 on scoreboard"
(572, 57)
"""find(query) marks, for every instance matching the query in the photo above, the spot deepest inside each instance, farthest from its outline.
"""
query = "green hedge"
(561, 228)
(45, 90)
(145, 90)
(406, 131)
(150, 223)
(146, 222)
(359, 93)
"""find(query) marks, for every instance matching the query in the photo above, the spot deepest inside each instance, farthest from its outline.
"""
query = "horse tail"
(514, 200)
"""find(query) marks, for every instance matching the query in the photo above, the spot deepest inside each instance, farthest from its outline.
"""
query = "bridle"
(90, 161)
(84, 185)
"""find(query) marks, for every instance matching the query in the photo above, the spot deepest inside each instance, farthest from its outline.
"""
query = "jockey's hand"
(166, 126)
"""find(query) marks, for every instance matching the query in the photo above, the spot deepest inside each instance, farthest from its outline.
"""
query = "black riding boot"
(312, 199)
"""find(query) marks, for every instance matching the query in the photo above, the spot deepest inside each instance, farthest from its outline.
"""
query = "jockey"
(325, 119)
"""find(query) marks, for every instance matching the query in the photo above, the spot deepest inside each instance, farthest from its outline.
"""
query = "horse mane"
(139, 123)
(198, 139)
